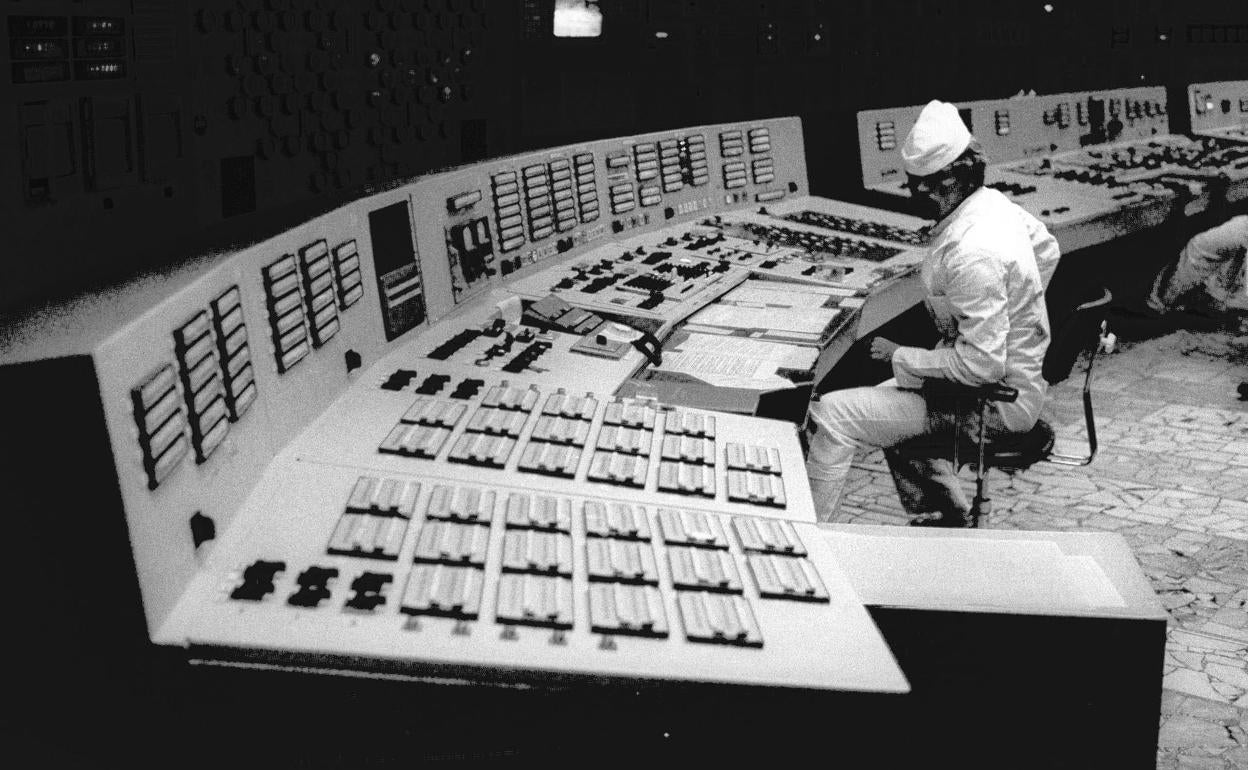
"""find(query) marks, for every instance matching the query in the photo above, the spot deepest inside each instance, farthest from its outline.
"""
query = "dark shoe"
(956, 520)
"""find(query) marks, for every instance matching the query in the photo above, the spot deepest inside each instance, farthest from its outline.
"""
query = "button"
(630, 414)
(561, 430)
(534, 600)
(361, 498)
(533, 551)
(718, 619)
(414, 440)
(451, 542)
(159, 412)
(628, 561)
(616, 468)
(784, 577)
(687, 478)
(704, 569)
(681, 527)
(689, 448)
(435, 412)
(212, 437)
(616, 519)
(689, 423)
(627, 609)
(482, 449)
(544, 513)
(756, 458)
(551, 459)
(626, 440)
(497, 422)
(757, 488)
(439, 589)
(767, 536)
(462, 201)
(191, 332)
(560, 403)
(160, 468)
(368, 591)
(360, 534)
(465, 504)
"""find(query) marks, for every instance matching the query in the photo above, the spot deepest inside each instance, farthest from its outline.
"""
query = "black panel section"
(1075, 692)
(81, 627)
(159, 130)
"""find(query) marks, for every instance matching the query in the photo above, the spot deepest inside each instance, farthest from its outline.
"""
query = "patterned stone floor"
(1171, 477)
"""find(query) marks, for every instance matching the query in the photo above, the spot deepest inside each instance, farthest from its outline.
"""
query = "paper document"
(785, 296)
(736, 362)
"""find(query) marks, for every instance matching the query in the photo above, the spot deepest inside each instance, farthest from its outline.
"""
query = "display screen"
(391, 231)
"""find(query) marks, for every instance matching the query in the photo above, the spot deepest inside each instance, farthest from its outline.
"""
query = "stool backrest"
(1073, 334)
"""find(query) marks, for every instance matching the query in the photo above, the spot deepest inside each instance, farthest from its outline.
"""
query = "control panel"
(397, 566)
(505, 218)
(1218, 109)
(1016, 128)
(391, 433)
(1092, 166)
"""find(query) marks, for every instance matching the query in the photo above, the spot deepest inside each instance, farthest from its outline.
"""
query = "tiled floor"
(1171, 477)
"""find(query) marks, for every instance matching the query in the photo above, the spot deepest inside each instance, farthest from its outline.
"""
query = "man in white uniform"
(985, 277)
(1212, 262)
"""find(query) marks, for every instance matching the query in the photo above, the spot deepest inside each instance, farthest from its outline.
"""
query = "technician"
(1209, 271)
(985, 276)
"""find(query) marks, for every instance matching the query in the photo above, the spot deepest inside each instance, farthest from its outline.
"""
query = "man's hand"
(882, 349)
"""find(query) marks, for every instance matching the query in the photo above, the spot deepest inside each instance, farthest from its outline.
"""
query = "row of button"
(857, 226)
(586, 186)
(202, 387)
(691, 161)
(669, 165)
(646, 161)
(885, 135)
(731, 144)
(286, 312)
(734, 174)
(347, 270)
(507, 216)
(538, 201)
(821, 244)
(763, 170)
(235, 353)
(623, 199)
(760, 141)
(562, 194)
(458, 520)
(161, 420)
(319, 292)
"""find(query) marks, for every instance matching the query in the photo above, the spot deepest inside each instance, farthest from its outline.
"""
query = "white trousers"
(843, 422)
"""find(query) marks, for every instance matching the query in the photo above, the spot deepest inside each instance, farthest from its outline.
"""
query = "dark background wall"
(134, 133)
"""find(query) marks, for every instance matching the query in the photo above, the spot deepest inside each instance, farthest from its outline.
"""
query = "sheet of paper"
(810, 321)
(737, 362)
(789, 296)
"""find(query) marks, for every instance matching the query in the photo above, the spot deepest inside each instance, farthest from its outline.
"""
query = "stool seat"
(1016, 451)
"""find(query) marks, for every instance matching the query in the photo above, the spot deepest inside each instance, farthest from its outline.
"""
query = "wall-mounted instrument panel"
(1020, 127)
(177, 120)
(390, 433)
(1092, 166)
(1219, 109)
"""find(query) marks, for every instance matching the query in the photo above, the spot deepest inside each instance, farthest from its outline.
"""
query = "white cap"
(937, 138)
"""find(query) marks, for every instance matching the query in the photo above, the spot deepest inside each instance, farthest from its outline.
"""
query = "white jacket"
(988, 266)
